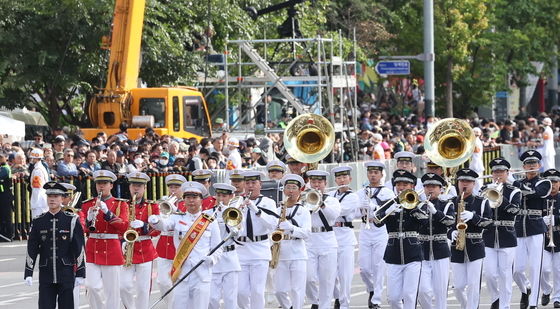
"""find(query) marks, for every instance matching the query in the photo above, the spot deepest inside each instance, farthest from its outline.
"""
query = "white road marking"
(13, 246)
(16, 284)
(5, 260)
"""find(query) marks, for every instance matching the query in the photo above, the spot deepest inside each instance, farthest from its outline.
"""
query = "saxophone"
(130, 236)
(461, 226)
(277, 237)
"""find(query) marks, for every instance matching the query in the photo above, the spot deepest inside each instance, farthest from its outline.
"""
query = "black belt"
(229, 248)
(256, 238)
(344, 224)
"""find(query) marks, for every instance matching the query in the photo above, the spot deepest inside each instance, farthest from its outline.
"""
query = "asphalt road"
(15, 294)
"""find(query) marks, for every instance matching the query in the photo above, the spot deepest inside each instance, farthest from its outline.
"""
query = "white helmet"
(36, 153)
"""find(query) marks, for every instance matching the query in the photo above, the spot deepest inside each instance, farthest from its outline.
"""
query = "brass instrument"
(167, 206)
(461, 226)
(277, 236)
(550, 206)
(309, 138)
(312, 200)
(130, 236)
(450, 142)
(92, 227)
(232, 215)
(494, 194)
(407, 199)
(71, 207)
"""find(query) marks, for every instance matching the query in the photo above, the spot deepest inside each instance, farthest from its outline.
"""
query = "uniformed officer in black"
(500, 239)
(434, 276)
(466, 264)
(403, 253)
(530, 228)
(58, 238)
(551, 257)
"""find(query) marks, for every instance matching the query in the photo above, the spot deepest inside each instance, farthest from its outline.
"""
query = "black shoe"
(545, 299)
(369, 303)
(495, 304)
(533, 307)
(557, 304)
(314, 306)
(376, 306)
(336, 304)
(524, 302)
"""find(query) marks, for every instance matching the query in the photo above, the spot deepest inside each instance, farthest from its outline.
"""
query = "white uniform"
(234, 160)
(477, 163)
(290, 276)
(39, 177)
(195, 289)
(548, 152)
(373, 242)
(346, 239)
(225, 273)
(322, 255)
(417, 187)
(254, 255)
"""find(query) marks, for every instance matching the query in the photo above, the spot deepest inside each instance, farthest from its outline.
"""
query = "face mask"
(163, 162)
(138, 160)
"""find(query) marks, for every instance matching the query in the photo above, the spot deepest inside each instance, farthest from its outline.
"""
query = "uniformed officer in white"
(194, 291)
(291, 271)
(39, 177)
(321, 245)
(225, 274)
(254, 253)
(404, 162)
(373, 239)
(344, 231)
(549, 152)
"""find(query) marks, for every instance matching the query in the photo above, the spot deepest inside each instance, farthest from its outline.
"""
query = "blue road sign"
(393, 67)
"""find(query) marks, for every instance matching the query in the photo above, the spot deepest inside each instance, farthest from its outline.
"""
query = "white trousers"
(434, 278)
(498, 272)
(345, 273)
(551, 268)
(191, 293)
(102, 283)
(252, 282)
(35, 212)
(76, 293)
(372, 266)
(548, 162)
(290, 283)
(136, 279)
(164, 279)
(466, 283)
(402, 284)
(224, 286)
(528, 257)
(321, 275)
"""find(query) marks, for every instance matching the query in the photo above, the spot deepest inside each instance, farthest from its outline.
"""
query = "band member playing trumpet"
(530, 227)
(403, 254)
(551, 258)
(225, 274)
(499, 238)
(467, 247)
(137, 277)
(165, 247)
(345, 237)
(254, 254)
(194, 235)
(322, 244)
(433, 235)
(294, 225)
(373, 239)
(106, 219)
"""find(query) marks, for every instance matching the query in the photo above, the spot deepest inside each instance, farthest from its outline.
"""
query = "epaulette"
(39, 216)
(69, 214)
(88, 200)
(151, 202)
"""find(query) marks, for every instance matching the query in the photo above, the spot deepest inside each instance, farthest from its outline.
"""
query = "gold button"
(96, 251)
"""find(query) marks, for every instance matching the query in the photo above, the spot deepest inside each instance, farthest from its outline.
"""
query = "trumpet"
(407, 199)
(312, 200)
(167, 206)
(232, 215)
(550, 206)
(92, 227)
(70, 208)
(494, 194)
(336, 188)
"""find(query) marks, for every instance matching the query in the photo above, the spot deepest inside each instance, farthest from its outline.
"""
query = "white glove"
(527, 189)
(29, 281)
(454, 235)
(91, 214)
(153, 219)
(547, 219)
(103, 207)
(286, 226)
(252, 206)
(79, 281)
(431, 208)
(467, 215)
(208, 259)
(136, 224)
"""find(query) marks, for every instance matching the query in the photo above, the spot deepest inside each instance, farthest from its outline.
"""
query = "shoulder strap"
(344, 195)
(324, 221)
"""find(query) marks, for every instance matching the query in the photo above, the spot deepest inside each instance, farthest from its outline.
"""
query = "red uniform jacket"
(165, 246)
(115, 222)
(208, 203)
(144, 250)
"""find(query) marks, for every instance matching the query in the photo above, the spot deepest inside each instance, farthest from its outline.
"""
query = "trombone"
(407, 199)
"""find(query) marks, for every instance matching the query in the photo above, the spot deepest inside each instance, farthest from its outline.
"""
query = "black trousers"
(6, 211)
(50, 292)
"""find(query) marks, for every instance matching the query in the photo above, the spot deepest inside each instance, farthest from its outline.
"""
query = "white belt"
(504, 223)
(319, 229)
(403, 234)
(103, 236)
(289, 237)
(556, 228)
(530, 212)
(432, 237)
(166, 233)
(144, 237)
(474, 235)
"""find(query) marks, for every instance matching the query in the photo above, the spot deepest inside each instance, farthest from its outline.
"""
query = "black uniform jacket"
(433, 233)
(59, 240)
(529, 220)
(501, 233)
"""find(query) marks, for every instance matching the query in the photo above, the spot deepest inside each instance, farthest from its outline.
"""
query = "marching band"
(217, 251)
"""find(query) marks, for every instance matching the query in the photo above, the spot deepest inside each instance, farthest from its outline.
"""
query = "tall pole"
(553, 83)
(429, 57)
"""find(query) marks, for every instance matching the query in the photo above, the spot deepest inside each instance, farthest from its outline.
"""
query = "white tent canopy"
(15, 129)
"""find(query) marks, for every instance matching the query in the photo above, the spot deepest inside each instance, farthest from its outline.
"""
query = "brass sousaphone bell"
(449, 142)
(309, 138)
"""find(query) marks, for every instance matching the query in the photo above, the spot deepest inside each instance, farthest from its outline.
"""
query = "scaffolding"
(325, 83)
